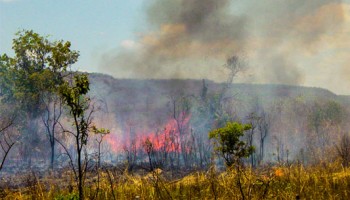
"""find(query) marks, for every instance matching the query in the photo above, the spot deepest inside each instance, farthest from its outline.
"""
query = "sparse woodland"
(71, 135)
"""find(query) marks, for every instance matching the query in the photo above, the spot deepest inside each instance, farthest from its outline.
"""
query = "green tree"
(74, 94)
(32, 77)
(228, 145)
(38, 65)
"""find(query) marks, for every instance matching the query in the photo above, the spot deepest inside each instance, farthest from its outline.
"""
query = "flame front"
(169, 139)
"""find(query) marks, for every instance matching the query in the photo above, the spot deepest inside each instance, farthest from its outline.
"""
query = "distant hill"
(136, 107)
(135, 91)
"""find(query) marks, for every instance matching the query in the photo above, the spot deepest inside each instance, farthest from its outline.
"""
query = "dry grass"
(327, 181)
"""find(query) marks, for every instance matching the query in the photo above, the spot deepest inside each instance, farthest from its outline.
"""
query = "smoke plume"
(283, 41)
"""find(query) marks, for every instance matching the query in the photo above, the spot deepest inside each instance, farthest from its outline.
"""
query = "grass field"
(324, 181)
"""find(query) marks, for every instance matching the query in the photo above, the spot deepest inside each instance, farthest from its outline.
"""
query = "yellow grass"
(327, 181)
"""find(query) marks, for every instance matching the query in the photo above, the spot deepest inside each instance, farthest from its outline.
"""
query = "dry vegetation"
(327, 181)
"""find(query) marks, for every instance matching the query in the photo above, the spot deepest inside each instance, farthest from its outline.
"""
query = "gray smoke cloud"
(193, 38)
(290, 32)
(203, 20)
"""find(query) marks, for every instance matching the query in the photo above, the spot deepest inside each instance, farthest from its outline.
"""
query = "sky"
(93, 27)
(281, 42)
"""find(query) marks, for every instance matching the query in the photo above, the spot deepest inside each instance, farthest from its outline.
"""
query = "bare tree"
(253, 120)
(148, 147)
(263, 126)
(181, 110)
(234, 65)
(7, 139)
(99, 141)
(131, 154)
(50, 117)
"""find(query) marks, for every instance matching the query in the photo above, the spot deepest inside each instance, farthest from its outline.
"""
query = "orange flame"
(166, 140)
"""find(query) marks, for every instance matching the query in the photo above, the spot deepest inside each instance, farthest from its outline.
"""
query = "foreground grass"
(328, 181)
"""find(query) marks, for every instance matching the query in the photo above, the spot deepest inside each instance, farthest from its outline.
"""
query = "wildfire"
(112, 141)
(279, 172)
(168, 139)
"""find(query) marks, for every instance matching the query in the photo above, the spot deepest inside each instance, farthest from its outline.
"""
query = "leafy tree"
(228, 144)
(31, 78)
(79, 106)
(37, 65)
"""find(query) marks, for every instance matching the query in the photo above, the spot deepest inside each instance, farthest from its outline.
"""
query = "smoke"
(193, 38)
(289, 35)
(203, 21)
(282, 70)
(190, 39)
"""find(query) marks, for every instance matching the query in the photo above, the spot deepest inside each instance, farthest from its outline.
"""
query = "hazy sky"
(283, 41)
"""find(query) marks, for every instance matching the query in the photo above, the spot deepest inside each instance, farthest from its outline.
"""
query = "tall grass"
(326, 181)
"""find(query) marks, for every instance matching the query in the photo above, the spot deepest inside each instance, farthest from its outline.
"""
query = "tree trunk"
(80, 177)
(52, 153)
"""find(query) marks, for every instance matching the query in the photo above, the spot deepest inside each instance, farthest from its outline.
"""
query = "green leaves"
(102, 131)
(74, 94)
(61, 56)
(228, 144)
(36, 68)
